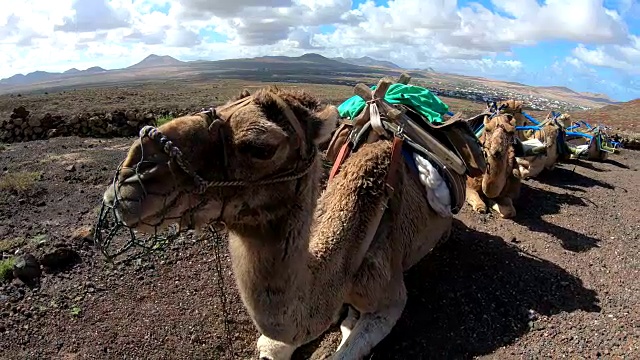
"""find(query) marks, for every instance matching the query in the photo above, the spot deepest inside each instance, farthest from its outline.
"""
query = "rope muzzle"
(114, 238)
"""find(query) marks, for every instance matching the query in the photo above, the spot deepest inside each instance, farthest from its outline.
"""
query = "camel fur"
(544, 140)
(499, 186)
(298, 253)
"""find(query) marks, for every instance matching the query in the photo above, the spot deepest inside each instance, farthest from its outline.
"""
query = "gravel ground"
(559, 280)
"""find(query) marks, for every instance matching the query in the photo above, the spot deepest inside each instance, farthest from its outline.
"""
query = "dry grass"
(170, 96)
(164, 119)
(174, 96)
(6, 268)
(19, 181)
(11, 244)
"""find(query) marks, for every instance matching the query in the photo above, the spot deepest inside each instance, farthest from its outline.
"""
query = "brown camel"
(587, 149)
(541, 148)
(500, 184)
(546, 138)
(298, 253)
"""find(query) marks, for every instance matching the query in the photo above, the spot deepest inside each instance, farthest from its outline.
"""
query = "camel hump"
(417, 117)
(456, 133)
(421, 114)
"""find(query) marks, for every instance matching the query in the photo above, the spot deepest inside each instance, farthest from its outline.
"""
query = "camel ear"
(243, 94)
(324, 122)
(488, 123)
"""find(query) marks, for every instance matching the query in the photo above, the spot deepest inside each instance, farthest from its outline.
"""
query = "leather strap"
(396, 161)
(342, 156)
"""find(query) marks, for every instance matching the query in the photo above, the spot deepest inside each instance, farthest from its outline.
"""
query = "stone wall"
(25, 126)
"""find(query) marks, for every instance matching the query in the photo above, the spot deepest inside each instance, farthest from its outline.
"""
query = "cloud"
(626, 8)
(202, 9)
(625, 58)
(93, 15)
(573, 20)
(253, 23)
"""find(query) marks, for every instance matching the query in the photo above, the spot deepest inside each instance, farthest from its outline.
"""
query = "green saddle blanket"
(418, 98)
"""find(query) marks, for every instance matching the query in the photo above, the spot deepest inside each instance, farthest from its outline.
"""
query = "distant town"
(481, 92)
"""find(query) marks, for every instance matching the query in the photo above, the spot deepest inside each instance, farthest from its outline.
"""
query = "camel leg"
(524, 166)
(504, 207)
(476, 202)
(372, 327)
(270, 349)
(348, 324)
(536, 167)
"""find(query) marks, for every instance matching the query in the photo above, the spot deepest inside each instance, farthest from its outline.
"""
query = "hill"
(309, 68)
(313, 68)
(367, 61)
(156, 61)
(621, 117)
(597, 95)
(38, 77)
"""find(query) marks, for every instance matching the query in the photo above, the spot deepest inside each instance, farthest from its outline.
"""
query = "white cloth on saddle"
(438, 193)
(582, 149)
(531, 144)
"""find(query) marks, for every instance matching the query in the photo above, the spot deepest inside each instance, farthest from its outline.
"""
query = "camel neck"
(271, 263)
(292, 273)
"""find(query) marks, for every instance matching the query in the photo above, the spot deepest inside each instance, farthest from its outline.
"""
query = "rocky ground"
(560, 280)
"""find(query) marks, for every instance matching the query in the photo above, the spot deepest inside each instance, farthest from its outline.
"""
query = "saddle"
(451, 146)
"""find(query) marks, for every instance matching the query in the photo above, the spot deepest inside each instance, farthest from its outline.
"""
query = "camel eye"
(258, 151)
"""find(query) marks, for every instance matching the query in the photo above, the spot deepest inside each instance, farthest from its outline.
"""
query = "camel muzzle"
(122, 216)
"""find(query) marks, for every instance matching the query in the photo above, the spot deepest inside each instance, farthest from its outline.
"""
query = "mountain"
(44, 76)
(156, 61)
(558, 88)
(310, 61)
(308, 68)
(368, 61)
(597, 96)
(564, 89)
(93, 70)
(33, 77)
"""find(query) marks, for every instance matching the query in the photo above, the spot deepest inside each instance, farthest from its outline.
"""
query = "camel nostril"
(265, 358)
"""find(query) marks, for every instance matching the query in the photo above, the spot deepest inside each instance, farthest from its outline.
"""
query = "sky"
(586, 45)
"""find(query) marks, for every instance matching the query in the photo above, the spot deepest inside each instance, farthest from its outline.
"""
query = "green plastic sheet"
(418, 98)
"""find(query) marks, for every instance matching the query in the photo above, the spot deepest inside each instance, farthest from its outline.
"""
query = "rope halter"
(109, 224)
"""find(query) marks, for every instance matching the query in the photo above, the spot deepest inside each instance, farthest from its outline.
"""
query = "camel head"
(513, 108)
(236, 164)
(563, 120)
(497, 140)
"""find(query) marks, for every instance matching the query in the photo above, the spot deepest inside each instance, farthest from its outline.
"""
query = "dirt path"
(561, 279)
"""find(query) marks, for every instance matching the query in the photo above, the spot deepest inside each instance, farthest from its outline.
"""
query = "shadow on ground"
(566, 178)
(616, 163)
(550, 203)
(584, 163)
(474, 295)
